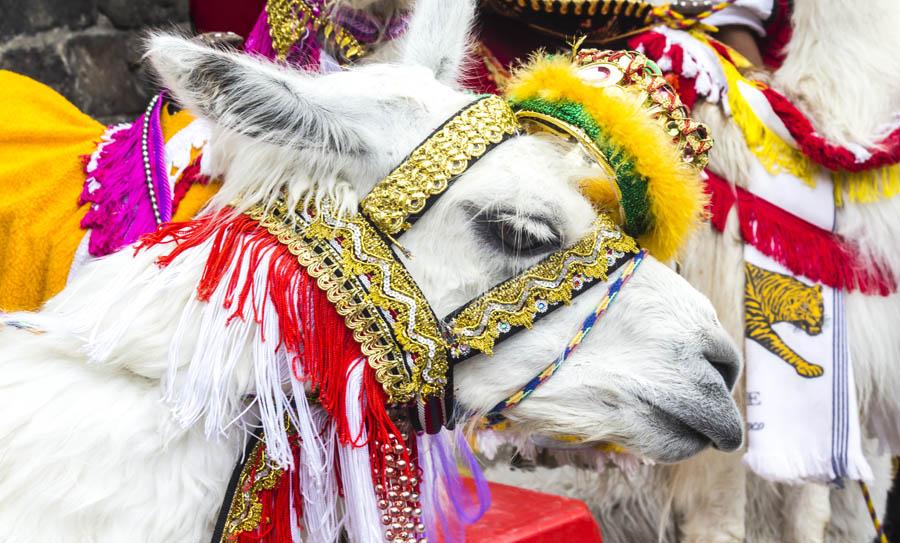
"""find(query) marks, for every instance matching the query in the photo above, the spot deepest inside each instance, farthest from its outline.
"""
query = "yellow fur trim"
(603, 194)
(675, 190)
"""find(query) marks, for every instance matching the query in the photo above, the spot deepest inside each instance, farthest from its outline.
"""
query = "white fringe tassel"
(363, 517)
(317, 482)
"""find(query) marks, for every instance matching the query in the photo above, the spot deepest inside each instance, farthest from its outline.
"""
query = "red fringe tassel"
(311, 330)
(721, 199)
(322, 347)
(803, 248)
(277, 503)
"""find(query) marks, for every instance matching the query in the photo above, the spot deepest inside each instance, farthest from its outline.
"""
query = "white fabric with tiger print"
(802, 414)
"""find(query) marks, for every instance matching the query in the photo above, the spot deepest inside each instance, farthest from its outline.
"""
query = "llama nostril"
(726, 369)
(723, 357)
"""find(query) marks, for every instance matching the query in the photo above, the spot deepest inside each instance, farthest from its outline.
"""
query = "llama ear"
(438, 37)
(253, 97)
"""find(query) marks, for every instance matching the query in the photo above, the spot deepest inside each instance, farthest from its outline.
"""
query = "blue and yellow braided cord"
(495, 416)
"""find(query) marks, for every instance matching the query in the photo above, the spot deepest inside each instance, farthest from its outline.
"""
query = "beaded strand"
(145, 154)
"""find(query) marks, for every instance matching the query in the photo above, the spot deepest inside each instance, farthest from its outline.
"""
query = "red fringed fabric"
(721, 199)
(801, 247)
(323, 353)
(778, 34)
(654, 46)
(275, 524)
(820, 150)
(311, 330)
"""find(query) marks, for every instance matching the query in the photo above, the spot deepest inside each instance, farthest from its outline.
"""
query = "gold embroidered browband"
(398, 200)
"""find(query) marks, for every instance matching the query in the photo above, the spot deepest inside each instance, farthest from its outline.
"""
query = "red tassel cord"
(722, 197)
(823, 152)
(803, 248)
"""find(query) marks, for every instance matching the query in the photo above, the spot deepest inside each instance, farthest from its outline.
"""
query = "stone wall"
(88, 50)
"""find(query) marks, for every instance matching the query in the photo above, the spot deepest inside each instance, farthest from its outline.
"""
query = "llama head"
(655, 376)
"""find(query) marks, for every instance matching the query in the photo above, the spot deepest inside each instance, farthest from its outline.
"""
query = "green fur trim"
(632, 184)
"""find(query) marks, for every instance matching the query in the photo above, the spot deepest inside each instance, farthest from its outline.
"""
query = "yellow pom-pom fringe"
(868, 186)
(675, 190)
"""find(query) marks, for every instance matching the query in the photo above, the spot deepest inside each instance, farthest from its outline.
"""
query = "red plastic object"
(524, 516)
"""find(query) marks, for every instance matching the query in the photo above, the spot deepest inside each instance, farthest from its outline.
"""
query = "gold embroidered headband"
(352, 260)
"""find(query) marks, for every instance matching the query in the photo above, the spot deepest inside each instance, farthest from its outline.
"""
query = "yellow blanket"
(42, 139)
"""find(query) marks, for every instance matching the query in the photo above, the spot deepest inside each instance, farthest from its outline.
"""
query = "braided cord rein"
(494, 417)
(879, 529)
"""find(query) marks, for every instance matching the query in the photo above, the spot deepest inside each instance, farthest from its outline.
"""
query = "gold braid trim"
(373, 292)
(516, 302)
(433, 165)
(288, 21)
(245, 511)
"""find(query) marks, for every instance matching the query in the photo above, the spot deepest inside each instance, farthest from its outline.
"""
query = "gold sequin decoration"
(433, 165)
(245, 510)
(516, 302)
(406, 350)
(289, 20)
(636, 71)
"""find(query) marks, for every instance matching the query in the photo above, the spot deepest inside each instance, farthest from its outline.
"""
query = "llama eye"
(524, 236)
